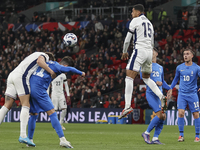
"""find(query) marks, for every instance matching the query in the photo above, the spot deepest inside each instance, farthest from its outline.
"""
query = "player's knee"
(181, 114)
(163, 116)
(196, 115)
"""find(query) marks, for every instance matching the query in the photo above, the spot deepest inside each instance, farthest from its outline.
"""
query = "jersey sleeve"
(176, 78)
(132, 26)
(46, 57)
(64, 69)
(164, 85)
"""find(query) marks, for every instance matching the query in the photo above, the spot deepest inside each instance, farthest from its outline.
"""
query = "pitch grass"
(97, 137)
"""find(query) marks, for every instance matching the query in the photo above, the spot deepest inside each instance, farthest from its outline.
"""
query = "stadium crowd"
(105, 71)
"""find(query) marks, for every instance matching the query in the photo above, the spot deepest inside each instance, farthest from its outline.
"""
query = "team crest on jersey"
(160, 70)
(191, 73)
(136, 114)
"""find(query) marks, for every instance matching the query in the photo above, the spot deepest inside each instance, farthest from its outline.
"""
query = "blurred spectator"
(184, 18)
(98, 101)
(162, 15)
(85, 104)
(150, 14)
(98, 26)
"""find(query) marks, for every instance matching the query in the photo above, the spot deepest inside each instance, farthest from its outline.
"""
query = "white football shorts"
(59, 101)
(17, 85)
(140, 58)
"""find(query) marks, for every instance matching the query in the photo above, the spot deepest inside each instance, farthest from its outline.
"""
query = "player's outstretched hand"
(124, 56)
(53, 75)
(169, 94)
(83, 74)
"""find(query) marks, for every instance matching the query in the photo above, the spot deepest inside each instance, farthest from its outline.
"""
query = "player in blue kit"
(157, 76)
(187, 73)
(40, 100)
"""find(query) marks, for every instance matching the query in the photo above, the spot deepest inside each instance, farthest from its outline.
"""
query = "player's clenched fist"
(124, 56)
(83, 74)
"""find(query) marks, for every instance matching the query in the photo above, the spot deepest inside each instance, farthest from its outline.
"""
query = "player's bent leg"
(6, 107)
(181, 113)
(62, 116)
(154, 122)
(152, 85)
(24, 115)
(56, 125)
(158, 130)
(31, 127)
(197, 124)
(129, 81)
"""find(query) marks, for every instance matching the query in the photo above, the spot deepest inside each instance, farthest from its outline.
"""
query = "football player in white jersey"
(58, 97)
(18, 84)
(142, 31)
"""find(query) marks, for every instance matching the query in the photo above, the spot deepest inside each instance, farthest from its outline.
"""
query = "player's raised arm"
(127, 40)
(64, 69)
(41, 61)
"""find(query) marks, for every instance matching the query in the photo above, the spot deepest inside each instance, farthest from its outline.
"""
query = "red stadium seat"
(122, 104)
(123, 65)
(106, 104)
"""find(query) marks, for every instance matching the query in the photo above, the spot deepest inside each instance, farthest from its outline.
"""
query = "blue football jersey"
(157, 74)
(188, 78)
(41, 78)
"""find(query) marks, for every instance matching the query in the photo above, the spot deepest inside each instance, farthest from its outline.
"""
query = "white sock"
(3, 111)
(128, 91)
(152, 85)
(146, 132)
(154, 138)
(63, 139)
(62, 115)
(24, 116)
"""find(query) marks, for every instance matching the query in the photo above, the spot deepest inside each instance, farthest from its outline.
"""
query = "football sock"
(153, 123)
(24, 116)
(128, 91)
(3, 111)
(197, 124)
(154, 138)
(31, 125)
(181, 126)
(158, 129)
(62, 115)
(56, 124)
(152, 85)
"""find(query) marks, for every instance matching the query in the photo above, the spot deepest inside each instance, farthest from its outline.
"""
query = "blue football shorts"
(154, 101)
(40, 101)
(192, 100)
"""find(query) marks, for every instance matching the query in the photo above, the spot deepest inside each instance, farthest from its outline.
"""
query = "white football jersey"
(57, 84)
(143, 32)
(29, 64)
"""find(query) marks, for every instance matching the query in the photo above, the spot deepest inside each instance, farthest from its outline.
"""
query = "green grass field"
(97, 137)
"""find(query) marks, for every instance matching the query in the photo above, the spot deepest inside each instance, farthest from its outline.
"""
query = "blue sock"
(31, 125)
(56, 124)
(158, 128)
(153, 123)
(181, 125)
(197, 124)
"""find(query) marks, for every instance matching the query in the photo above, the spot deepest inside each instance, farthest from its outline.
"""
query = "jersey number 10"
(146, 24)
(186, 78)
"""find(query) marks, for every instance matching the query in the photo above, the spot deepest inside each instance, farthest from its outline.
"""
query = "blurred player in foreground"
(157, 122)
(18, 84)
(58, 96)
(40, 100)
(142, 31)
(187, 73)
